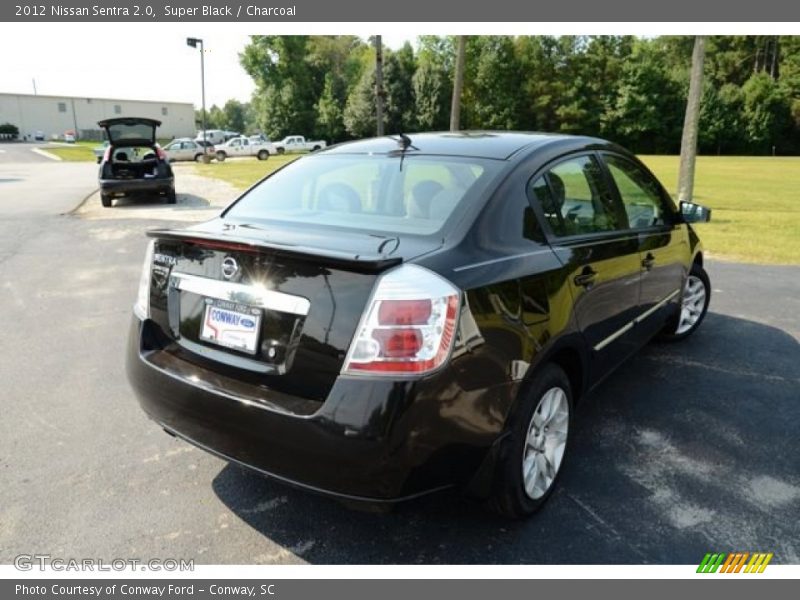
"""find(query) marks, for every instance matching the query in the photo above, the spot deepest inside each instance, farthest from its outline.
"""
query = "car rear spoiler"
(359, 262)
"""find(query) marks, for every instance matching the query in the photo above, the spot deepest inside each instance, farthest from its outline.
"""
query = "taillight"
(408, 327)
(107, 154)
(142, 306)
(160, 153)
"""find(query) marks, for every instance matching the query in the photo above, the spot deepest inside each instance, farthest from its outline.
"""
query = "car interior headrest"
(339, 197)
(422, 195)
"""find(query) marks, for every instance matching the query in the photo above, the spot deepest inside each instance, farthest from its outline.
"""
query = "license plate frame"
(231, 325)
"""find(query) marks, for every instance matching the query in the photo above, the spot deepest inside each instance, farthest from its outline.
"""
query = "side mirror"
(695, 213)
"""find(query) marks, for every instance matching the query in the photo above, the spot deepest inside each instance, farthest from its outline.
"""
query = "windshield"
(131, 131)
(368, 192)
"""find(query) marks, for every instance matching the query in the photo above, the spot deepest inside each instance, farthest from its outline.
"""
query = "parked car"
(376, 333)
(133, 162)
(242, 146)
(297, 143)
(187, 149)
(69, 137)
(39, 136)
(212, 136)
(259, 138)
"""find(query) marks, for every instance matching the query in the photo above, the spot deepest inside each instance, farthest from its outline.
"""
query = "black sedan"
(395, 316)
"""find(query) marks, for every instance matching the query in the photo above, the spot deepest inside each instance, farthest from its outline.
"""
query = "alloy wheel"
(545, 442)
(692, 305)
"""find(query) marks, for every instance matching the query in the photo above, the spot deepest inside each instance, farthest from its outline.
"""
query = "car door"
(180, 151)
(172, 151)
(663, 241)
(189, 150)
(587, 229)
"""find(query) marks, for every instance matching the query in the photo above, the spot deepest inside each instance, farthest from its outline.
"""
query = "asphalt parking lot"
(688, 448)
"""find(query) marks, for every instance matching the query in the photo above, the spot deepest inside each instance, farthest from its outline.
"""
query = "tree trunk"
(691, 122)
(458, 85)
(379, 85)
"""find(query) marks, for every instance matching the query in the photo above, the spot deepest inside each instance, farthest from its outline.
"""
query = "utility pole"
(379, 84)
(458, 84)
(691, 122)
(194, 42)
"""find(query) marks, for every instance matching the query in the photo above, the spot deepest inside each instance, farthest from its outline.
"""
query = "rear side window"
(640, 195)
(575, 198)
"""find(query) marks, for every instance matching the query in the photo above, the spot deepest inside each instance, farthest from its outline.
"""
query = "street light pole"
(193, 42)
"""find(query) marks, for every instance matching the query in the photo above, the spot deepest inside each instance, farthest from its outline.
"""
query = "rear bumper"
(370, 440)
(137, 186)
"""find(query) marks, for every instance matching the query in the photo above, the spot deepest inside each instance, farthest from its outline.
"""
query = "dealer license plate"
(231, 325)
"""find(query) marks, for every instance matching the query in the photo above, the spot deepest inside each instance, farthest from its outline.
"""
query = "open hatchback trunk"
(130, 131)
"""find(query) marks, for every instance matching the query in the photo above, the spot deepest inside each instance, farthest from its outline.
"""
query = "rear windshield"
(375, 193)
(120, 132)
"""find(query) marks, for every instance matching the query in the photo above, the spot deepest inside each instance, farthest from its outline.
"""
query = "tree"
(691, 123)
(234, 116)
(495, 88)
(766, 112)
(721, 128)
(379, 93)
(399, 69)
(359, 112)
(285, 83)
(458, 85)
(330, 122)
(431, 85)
(647, 114)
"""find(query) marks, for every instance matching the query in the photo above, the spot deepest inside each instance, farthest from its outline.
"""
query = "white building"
(53, 115)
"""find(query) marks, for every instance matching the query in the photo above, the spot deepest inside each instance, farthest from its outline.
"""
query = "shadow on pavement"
(688, 448)
(150, 201)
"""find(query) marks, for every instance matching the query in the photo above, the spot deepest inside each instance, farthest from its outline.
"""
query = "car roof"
(501, 145)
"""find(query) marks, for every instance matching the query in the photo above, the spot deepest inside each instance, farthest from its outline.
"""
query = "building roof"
(99, 99)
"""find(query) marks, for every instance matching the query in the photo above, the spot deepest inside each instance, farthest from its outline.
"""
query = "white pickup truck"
(243, 146)
(297, 143)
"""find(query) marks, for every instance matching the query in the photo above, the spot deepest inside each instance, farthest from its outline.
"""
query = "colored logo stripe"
(734, 562)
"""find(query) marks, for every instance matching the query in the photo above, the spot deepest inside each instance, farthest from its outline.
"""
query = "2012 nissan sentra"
(395, 316)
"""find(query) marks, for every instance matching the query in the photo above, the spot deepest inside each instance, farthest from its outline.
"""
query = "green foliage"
(398, 76)
(360, 113)
(631, 90)
(9, 129)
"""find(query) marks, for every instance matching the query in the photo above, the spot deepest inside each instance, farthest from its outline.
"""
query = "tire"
(105, 199)
(532, 441)
(263, 155)
(221, 156)
(315, 148)
(281, 150)
(198, 158)
(695, 296)
(172, 197)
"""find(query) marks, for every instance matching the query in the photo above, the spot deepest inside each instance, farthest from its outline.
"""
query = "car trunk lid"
(273, 306)
(130, 131)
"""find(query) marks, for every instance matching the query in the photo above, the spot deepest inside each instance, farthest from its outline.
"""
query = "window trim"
(667, 207)
(578, 238)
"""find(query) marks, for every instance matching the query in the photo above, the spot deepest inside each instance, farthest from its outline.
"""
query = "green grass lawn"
(245, 172)
(755, 204)
(77, 153)
(755, 201)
